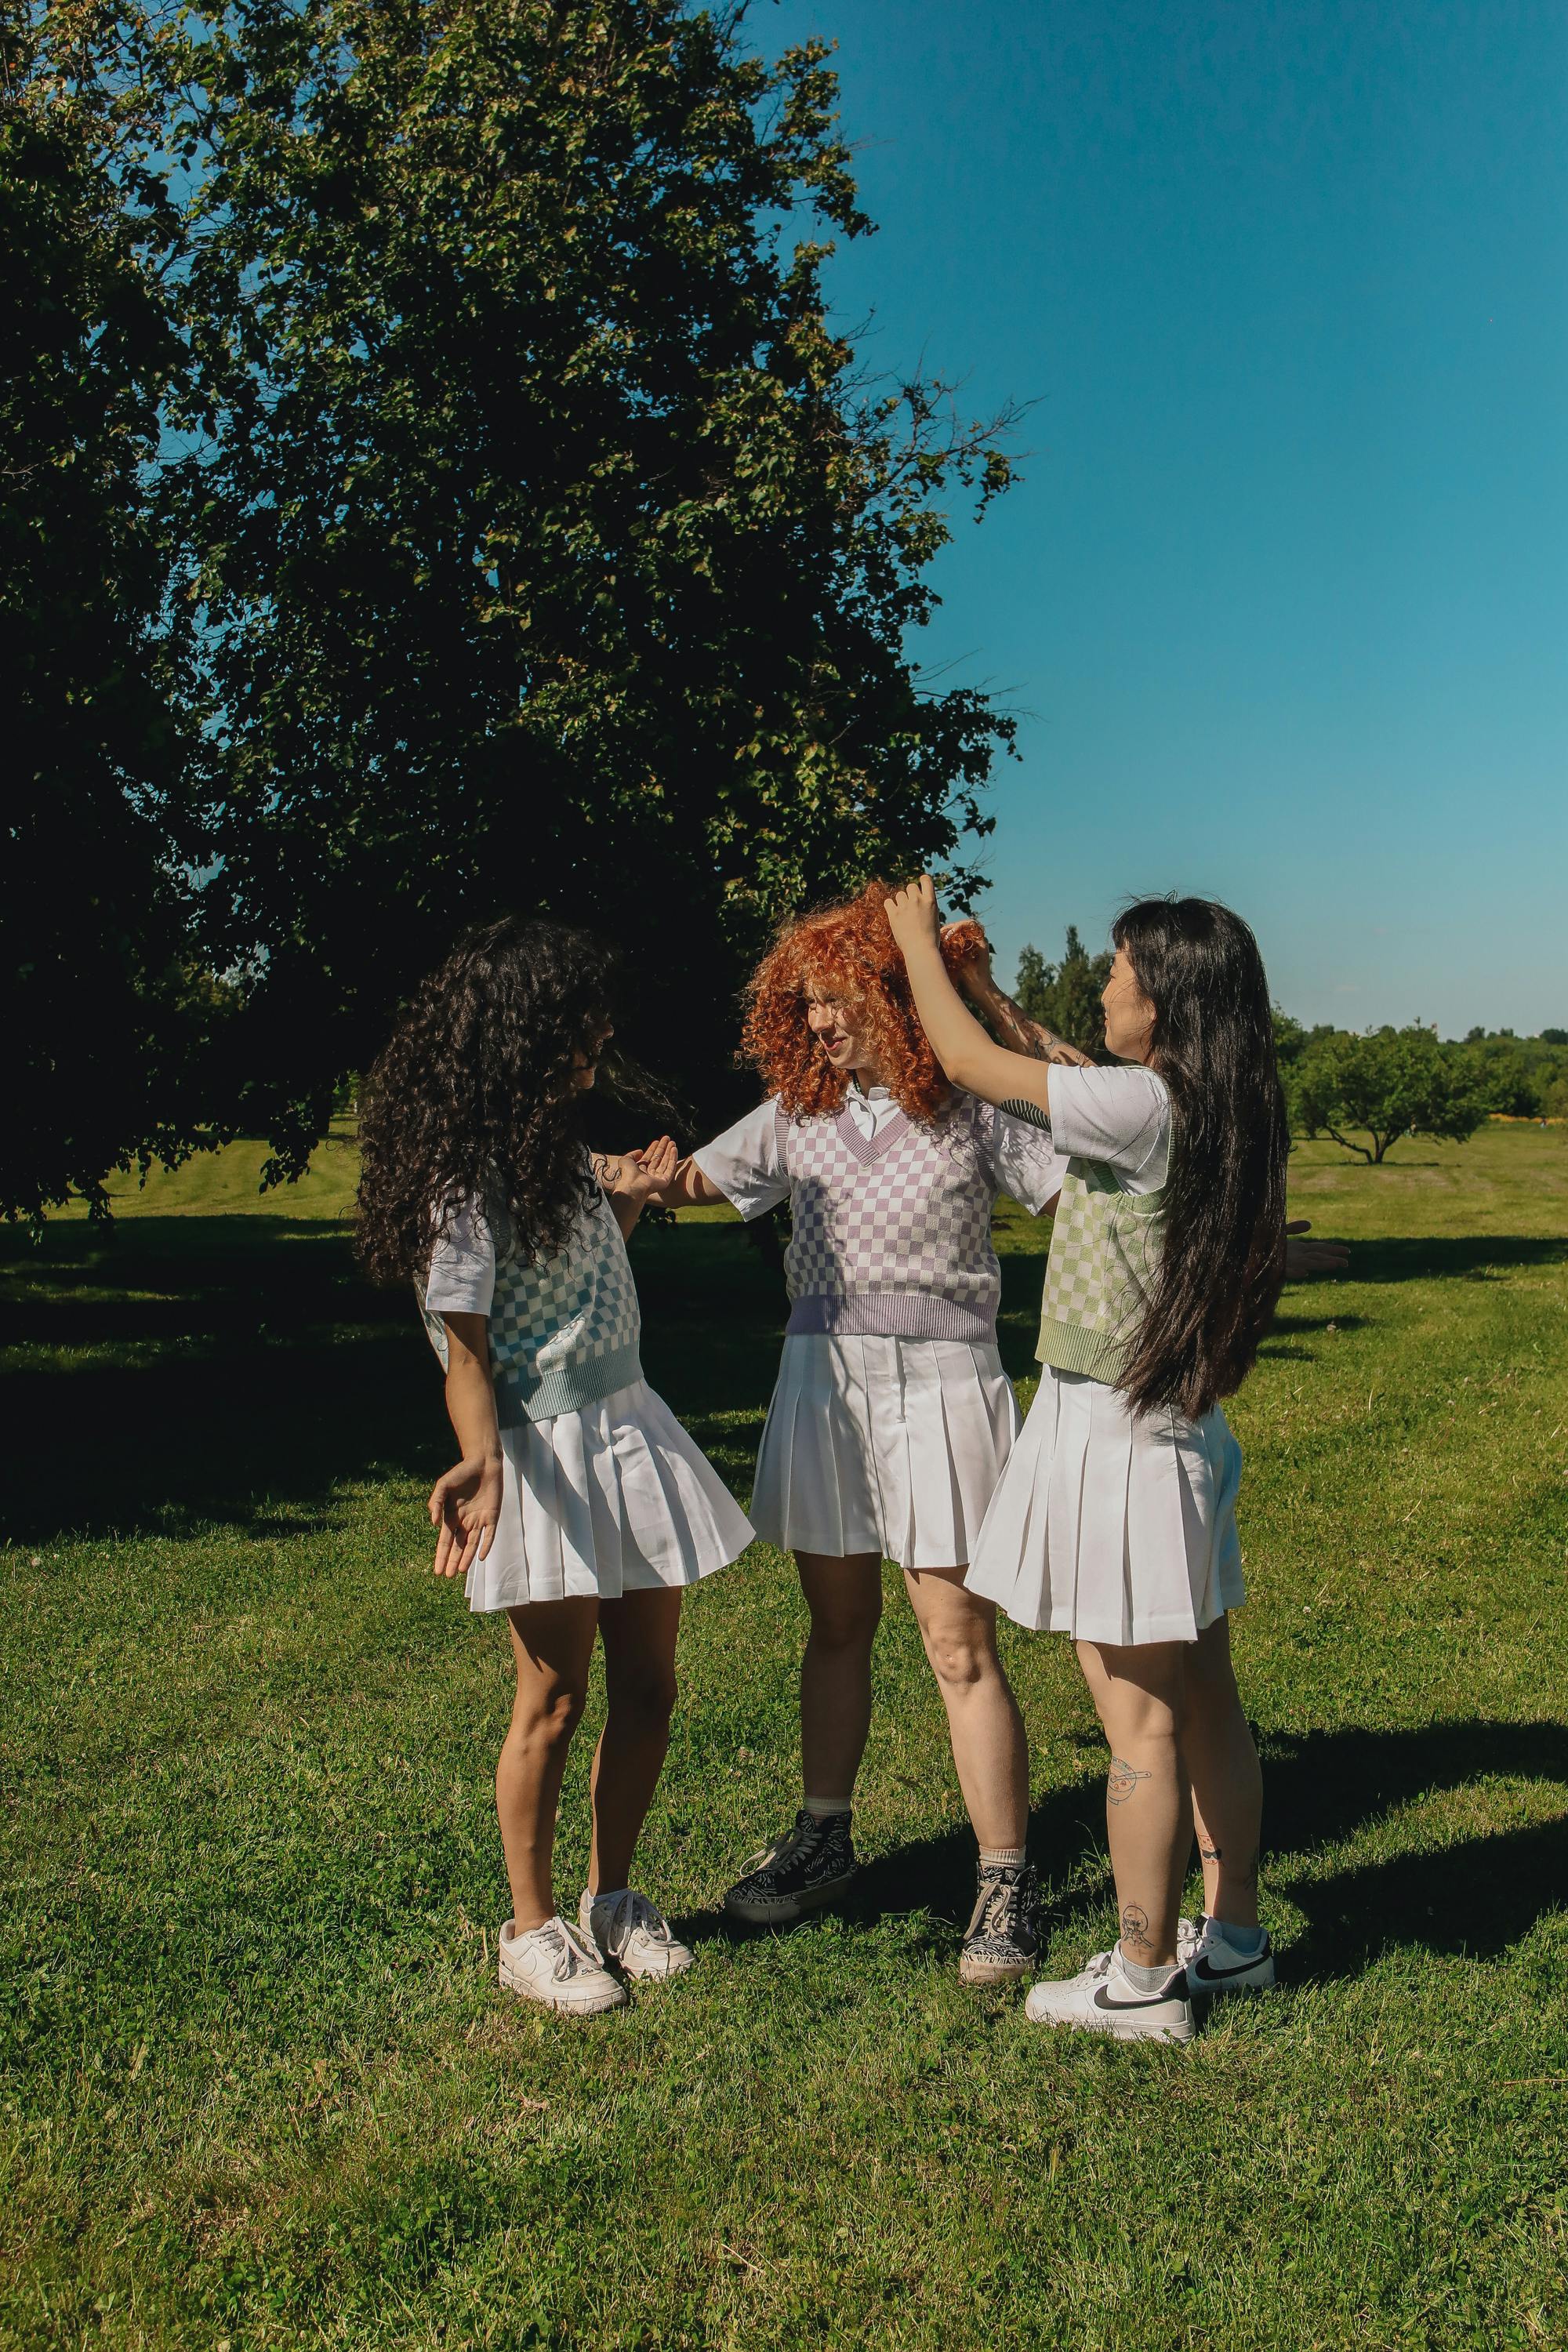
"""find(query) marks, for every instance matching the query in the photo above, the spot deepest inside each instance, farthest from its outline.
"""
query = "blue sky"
(1284, 595)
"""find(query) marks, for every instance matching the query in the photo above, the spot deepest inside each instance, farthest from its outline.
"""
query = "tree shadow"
(1480, 1896)
(1475, 1257)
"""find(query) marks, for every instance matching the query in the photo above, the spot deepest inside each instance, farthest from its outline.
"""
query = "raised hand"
(638, 1176)
(1303, 1259)
(912, 916)
(465, 1506)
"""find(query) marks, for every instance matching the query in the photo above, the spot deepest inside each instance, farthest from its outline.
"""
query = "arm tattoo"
(1123, 1780)
(1030, 1113)
(1135, 1929)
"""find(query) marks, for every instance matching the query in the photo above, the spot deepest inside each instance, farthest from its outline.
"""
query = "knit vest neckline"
(869, 1148)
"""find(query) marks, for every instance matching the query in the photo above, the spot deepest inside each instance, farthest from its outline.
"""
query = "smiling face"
(836, 1023)
(1129, 1013)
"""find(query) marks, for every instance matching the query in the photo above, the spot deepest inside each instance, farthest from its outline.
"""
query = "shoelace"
(558, 1937)
(632, 1912)
(998, 1913)
(805, 1834)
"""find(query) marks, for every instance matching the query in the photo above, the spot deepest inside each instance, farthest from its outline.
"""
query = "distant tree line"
(1362, 1089)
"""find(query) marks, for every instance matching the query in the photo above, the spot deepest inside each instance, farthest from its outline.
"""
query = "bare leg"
(1228, 1782)
(989, 1747)
(552, 1643)
(1139, 1693)
(845, 1598)
(638, 1632)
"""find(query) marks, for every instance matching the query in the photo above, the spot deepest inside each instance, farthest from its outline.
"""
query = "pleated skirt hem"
(614, 1499)
(1111, 1526)
(881, 1444)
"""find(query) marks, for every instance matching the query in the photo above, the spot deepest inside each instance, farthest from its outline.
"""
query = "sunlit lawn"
(261, 2088)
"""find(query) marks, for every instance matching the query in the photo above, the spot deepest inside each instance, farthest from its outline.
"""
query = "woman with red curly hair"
(893, 1416)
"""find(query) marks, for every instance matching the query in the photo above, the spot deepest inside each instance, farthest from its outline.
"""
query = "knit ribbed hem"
(566, 1388)
(893, 1314)
(1070, 1347)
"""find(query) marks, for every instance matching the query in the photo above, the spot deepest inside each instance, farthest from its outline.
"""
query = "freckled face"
(1129, 1013)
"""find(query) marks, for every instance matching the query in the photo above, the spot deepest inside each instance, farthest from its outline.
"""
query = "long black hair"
(473, 1096)
(1223, 1255)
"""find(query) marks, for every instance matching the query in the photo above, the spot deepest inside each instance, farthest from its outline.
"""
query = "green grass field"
(260, 2088)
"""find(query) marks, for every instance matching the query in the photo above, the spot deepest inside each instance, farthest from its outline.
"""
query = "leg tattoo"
(1211, 1853)
(1135, 1929)
(1123, 1780)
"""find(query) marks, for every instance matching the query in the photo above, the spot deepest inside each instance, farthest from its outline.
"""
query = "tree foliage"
(441, 489)
(1066, 996)
(1385, 1084)
(106, 1024)
(548, 550)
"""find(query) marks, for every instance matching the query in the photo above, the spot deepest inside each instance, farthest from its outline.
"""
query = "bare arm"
(970, 1058)
(465, 1504)
(1017, 1029)
(689, 1189)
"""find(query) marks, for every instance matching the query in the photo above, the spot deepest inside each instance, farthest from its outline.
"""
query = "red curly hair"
(847, 952)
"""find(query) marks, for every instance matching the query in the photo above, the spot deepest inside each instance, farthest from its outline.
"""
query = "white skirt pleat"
(1112, 1527)
(884, 1445)
(614, 1499)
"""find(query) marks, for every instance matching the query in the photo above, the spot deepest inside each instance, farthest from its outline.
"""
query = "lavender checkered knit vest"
(891, 1232)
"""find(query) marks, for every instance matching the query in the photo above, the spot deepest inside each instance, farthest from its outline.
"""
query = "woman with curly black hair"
(579, 1506)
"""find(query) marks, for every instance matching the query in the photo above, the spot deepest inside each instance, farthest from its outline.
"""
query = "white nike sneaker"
(628, 1929)
(1104, 1999)
(1216, 1966)
(554, 1965)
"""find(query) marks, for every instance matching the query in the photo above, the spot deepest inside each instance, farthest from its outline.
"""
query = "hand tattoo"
(1123, 1780)
(1135, 1927)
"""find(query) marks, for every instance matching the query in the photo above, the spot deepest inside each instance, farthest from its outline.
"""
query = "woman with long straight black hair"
(1114, 1520)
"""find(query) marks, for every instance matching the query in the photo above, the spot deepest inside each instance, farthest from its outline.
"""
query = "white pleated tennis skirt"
(875, 1445)
(614, 1499)
(1111, 1526)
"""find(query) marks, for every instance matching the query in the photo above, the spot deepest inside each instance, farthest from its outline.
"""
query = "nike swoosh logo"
(1204, 1974)
(1154, 2001)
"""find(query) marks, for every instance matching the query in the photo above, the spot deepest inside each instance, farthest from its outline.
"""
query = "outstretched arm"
(1303, 1259)
(688, 1189)
(970, 1058)
(1017, 1029)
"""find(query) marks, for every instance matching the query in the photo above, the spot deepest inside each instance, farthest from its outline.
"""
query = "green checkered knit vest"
(1099, 1277)
(565, 1330)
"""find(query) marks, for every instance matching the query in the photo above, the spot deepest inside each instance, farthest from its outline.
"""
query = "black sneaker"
(798, 1873)
(1004, 1931)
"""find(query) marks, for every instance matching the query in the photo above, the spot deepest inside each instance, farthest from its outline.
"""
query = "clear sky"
(1285, 593)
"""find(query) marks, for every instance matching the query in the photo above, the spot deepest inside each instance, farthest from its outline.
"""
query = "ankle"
(828, 1809)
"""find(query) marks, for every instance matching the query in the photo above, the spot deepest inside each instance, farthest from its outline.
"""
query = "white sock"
(823, 1808)
(1145, 1979)
(607, 1894)
(1001, 1857)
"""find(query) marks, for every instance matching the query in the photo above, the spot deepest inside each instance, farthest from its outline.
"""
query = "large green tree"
(1067, 997)
(547, 548)
(105, 1025)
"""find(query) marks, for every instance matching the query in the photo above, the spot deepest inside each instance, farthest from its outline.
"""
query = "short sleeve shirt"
(1120, 1118)
(462, 1277)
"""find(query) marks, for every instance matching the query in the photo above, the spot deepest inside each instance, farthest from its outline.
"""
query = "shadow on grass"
(1480, 1895)
(1475, 1257)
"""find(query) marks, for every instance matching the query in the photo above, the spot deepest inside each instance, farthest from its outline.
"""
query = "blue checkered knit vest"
(564, 1332)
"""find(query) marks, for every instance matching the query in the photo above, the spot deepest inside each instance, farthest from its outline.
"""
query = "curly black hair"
(473, 1098)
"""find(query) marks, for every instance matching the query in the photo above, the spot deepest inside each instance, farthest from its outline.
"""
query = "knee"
(959, 1661)
(646, 1692)
(844, 1631)
(549, 1716)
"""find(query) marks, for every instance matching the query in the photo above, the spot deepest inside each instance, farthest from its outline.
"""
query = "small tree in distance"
(1385, 1084)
